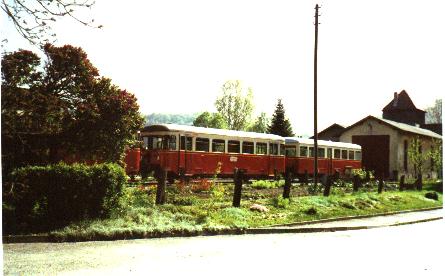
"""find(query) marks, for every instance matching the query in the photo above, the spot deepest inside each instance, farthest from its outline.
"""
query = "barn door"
(375, 153)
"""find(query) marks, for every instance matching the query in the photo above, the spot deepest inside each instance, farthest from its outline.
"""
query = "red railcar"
(196, 151)
(332, 157)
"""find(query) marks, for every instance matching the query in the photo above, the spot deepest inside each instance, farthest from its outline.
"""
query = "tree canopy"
(261, 124)
(235, 105)
(33, 19)
(211, 120)
(63, 105)
(434, 113)
(280, 125)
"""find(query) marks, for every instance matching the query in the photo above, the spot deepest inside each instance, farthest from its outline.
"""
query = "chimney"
(394, 102)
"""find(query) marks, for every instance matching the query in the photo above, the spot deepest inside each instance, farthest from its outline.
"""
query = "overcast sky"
(174, 55)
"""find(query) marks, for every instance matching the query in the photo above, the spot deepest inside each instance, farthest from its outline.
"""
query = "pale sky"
(174, 55)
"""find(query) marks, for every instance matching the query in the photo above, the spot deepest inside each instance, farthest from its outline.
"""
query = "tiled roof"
(401, 101)
(401, 127)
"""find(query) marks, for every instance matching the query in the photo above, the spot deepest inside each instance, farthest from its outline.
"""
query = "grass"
(188, 213)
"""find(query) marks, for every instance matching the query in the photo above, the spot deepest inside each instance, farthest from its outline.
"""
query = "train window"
(183, 142)
(202, 144)
(291, 151)
(248, 147)
(154, 142)
(321, 152)
(344, 154)
(282, 149)
(273, 149)
(329, 153)
(303, 151)
(218, 145)
(233, 146)
(311, 152)
(351, 155)
(337, 153)
(171, 141)
(261, 148)
(358, 155)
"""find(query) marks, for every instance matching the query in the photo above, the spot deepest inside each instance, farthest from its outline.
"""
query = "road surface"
(415, 249)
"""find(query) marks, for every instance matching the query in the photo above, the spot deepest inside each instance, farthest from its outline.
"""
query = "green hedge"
(58, 194)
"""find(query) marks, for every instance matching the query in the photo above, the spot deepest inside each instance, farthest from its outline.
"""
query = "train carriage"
(190, 151)
(332, 156)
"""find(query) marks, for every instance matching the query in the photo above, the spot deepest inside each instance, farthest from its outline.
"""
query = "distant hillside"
(169, 118)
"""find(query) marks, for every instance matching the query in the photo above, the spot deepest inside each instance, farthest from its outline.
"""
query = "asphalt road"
(414, 249)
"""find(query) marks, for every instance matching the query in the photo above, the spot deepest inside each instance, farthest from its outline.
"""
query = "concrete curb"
(272, 229)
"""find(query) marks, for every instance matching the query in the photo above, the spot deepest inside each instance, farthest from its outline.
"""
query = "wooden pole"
(160, 191)
(238, 179)
(287, 185)
(315, 99)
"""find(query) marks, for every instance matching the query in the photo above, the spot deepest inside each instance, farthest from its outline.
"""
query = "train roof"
(211, 131)
(295, 140)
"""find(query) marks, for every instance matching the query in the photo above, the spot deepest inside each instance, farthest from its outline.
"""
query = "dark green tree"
(280, 125)
(61, 108)
(212, 120)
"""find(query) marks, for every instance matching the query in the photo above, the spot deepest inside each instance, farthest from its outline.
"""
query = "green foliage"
(280, 125)
(280, 202)
(60, 193)
(211, 120)
(261, 124)
(436, 155)
(415, 155)
(434, 113)
(63, 104)
(170, 118)
(235, 105)
(362, 173)
(266, 184)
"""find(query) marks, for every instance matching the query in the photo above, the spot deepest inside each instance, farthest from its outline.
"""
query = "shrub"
(432, 195)
(267, 184)
(280, 202)
(63, 193)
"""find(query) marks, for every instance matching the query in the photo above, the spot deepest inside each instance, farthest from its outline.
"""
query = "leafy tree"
(280, 125)
(168, 118)
(416, 156)
(212, 120)
(436, 156)
(33, 19)
(261, 124)
(62, 107)
(235, 105)
(434, 113)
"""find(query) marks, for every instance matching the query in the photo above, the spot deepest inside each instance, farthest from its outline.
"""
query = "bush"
(61, 193)
(280, 202)
(432, 195)
(267, 184)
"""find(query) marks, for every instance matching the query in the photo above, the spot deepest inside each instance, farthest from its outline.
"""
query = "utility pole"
(315, 99)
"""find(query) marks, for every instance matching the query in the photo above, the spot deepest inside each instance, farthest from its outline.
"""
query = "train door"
(329, 158)
(185, 146)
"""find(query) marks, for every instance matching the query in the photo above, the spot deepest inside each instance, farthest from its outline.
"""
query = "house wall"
(396, 146)
(373, 127)
(426, 143)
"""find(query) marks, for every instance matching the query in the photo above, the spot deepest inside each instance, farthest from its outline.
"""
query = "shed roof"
(400, 127)
(211, 131)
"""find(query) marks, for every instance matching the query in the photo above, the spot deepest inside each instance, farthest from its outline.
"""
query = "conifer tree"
(280, 125)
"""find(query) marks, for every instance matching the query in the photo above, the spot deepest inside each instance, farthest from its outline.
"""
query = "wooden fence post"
(355, 183)
(402, 183)
(238, 179)
(160, 190)
(287, 185)
(419, 182)
(381, 183)
(327, 186)
(306, 178)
